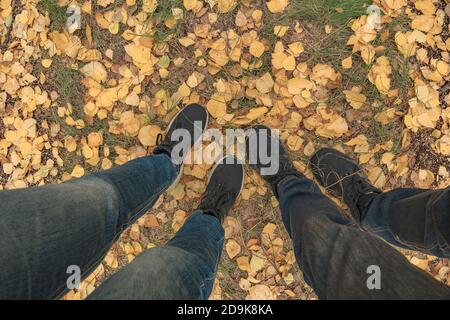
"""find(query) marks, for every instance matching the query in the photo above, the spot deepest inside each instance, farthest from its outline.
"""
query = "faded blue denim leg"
(335, 254)
(43, 230)
(184, 268)
(414, 219)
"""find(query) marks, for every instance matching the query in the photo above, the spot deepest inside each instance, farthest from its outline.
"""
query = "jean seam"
(203, 285)
(411, 245)
(444, 246)
(209, 278)
(212, 277)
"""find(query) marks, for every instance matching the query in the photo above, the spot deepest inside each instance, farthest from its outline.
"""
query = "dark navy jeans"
(43, 230)
(337, 256)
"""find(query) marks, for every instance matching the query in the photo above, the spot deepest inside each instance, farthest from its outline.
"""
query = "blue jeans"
(412, 219)
(43, 230)
(337, 256)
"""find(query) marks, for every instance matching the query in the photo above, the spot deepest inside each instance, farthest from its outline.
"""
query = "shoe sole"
(218, 162)
(177, 180)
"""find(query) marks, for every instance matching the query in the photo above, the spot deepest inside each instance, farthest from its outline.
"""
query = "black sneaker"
(224, 186)
(344, 178)
(194, 119)
(261, 138)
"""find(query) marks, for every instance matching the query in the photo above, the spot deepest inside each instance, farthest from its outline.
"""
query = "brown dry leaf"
(420, 263)
(95, 139)
(77, 171)
(294, 142)
(142, 57)
(148, 134)
(277, 6)
(426, 6)
(243, 263)
(265, 83)
(336, 128)
(217, 291)
(424, 23)
(377, 176)
(297, 85)
(255, 113)
(178, 219)
(186, 41)
(380, 73)
(443, 68)
(218, 53)
(356, 99)
(296, 48)
(326, 76)
(347, 63)
(151, 221)
(387, 157)
(233, 248)
(225, 6)
(70, 144)
(231, 226)
(423, 179)
(257, 261)
(240, 19)
(190, 4)
(257, 48)
(269, 228)
(280, 31)
(289, 63)
(178, 192)
(260, 292)
(46, 63)
(217, 105)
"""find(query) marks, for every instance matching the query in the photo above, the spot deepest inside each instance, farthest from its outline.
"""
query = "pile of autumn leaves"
(427, 106)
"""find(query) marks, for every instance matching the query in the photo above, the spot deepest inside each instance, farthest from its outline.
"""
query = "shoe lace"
(164, 143)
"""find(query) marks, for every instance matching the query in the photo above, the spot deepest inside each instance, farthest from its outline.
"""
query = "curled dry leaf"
(148, 134)
(260, 292)
(277, 6)
(233, 248)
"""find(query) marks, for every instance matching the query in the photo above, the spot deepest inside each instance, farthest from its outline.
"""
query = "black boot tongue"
(217, 202)
(360, 194)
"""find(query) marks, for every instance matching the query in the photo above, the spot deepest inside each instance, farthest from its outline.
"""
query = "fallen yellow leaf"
(277, 6)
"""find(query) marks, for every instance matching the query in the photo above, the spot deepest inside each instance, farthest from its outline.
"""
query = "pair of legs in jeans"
(43, 230)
